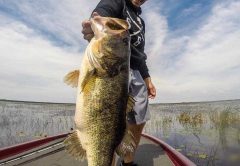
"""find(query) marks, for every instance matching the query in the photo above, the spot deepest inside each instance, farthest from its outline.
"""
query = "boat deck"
(148, 153)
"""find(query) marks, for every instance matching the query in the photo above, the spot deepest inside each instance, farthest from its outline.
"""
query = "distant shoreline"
(40, 102)
(197, 102)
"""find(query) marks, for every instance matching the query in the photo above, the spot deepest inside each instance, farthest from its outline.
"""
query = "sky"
(192, 48)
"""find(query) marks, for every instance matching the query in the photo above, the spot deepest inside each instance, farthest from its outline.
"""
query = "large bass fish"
(102, 96)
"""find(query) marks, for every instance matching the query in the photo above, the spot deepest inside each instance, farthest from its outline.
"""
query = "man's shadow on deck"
(146, 153)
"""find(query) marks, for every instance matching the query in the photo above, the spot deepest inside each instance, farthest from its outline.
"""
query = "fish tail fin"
(72, 78)
(74, 147)
(128, 144)
(130, 104)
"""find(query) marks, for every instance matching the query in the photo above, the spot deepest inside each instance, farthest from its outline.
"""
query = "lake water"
(208, 133)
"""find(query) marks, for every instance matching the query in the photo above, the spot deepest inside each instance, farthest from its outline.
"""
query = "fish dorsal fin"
(72, 78)
(128, 145)
(74, 147)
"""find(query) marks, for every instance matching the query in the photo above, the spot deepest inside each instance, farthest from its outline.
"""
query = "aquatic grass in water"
(208, 133)
(25, 121)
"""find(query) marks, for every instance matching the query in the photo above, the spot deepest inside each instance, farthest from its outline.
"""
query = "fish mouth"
(108, 25)
(116, 24)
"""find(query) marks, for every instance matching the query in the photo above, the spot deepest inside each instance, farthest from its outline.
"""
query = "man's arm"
(150, 87)
(147, 79)
(143, 69)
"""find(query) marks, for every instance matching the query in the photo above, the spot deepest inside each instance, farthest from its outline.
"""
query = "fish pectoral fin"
(74, 147)
(130, 104)
(84, 78)
(128, 145)
(72, 78)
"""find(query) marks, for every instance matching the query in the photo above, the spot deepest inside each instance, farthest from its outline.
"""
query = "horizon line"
(191, 102)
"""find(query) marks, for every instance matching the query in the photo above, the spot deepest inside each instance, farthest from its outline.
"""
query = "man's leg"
(140, 114)
(113, 161)
(136, 131)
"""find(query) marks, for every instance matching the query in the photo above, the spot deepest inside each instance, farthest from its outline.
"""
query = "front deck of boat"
(148, 153)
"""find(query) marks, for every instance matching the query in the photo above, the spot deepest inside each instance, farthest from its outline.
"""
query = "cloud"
(205, 65)
(40, 42)
(58, 21)
(156, 32)
(214, 46)
(191, 10)
(31, 67)
(197, 60)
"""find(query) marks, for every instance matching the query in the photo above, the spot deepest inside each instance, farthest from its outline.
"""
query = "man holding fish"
(140, 84)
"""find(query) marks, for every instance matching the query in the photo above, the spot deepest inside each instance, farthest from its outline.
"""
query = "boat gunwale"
(13, 150)
(176, 157)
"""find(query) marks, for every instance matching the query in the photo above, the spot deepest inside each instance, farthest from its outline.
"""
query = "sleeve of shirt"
(143, 69)
(109, 8)
(138, 60)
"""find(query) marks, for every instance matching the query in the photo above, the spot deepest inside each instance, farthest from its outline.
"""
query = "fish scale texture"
(100, 116)
(102, 95)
